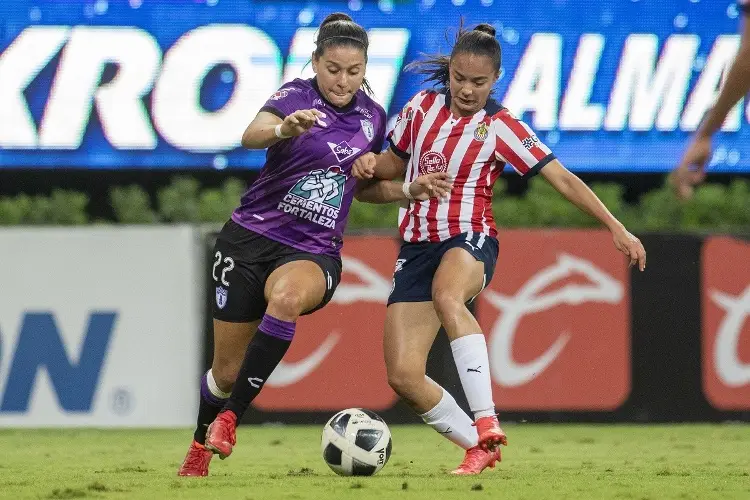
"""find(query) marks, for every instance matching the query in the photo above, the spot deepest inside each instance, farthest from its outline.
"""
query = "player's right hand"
(631, 246)
(301, 121)
(691, 170)
(364, 166)
(434, 185)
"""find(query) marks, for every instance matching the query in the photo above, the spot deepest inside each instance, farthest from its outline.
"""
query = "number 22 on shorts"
(228, 267)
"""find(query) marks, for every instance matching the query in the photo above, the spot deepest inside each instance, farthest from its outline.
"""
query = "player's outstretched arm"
(267, 129)
(386, 165)
(735, 87)
(435, 185)
(690, 171)
(577, 192)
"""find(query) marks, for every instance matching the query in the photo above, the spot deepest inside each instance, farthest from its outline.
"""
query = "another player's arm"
(387, 165)
(577, 192)
(735, 87)
(387, 191)
(691, 169)
(267, 129)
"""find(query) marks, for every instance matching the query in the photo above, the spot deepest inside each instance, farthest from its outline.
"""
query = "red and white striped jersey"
(473, 150)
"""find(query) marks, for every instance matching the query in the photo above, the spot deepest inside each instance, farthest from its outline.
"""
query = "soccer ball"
(356, 442)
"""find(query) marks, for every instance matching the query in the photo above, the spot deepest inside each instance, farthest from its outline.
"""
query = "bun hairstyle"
(479, 41)
(340, 30)
(486, 28)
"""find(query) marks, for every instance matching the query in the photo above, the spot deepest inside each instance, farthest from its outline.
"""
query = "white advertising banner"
(100, 326)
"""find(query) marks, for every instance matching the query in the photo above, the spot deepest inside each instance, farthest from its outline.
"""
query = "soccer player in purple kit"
(279, 256)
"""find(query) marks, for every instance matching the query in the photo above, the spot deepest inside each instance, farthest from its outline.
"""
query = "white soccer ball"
(356, 442)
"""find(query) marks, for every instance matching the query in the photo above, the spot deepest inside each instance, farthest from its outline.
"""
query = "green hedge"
(714, 207)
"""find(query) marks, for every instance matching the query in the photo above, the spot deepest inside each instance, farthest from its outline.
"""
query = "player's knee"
(286, 303)
(404, 379)
(447, 303)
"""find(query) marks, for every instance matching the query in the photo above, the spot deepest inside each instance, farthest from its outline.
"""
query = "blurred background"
(120, 125)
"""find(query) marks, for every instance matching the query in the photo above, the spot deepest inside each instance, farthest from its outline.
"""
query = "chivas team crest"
(481, 132)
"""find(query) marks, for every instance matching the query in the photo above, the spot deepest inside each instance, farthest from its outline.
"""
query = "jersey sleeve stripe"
(398, 151)
(536, 168)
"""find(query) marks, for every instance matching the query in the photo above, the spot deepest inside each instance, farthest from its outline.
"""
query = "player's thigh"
(296, 286)
(459, 274)
(238, 271)
(410, 330)
(230, 343)
(466, 267)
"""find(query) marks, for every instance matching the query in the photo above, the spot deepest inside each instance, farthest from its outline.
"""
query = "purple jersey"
(304, 191)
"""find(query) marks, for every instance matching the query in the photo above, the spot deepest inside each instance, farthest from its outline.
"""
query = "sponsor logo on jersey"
(343, 150)
(279, 95)
(431, 162)
(317, 196)
(530, 142)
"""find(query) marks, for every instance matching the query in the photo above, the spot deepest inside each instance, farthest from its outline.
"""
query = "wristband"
(277, 132)
(405, 189)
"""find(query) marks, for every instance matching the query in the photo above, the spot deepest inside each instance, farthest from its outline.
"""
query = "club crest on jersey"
(368, 129)
(431, 162)
(221, 297)
(343, 150)
(530, 142)
(481, 132)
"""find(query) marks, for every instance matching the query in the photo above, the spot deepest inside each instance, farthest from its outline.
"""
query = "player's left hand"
(691, 170)
(434, 185)
(630, 246)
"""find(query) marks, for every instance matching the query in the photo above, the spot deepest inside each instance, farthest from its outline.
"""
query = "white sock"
(473, 363)
(211, 383)
(452, 422)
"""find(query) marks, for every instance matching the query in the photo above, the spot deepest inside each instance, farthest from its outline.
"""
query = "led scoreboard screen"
(610, 85)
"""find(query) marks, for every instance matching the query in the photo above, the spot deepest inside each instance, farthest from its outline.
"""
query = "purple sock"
(210, 405)
(283, 330)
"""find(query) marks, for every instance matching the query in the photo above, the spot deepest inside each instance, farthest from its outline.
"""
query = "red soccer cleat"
(476, 460)
(490, 433)
(196, 461)
(221, 435)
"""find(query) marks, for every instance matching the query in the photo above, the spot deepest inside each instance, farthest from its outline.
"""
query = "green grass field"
(542, 461)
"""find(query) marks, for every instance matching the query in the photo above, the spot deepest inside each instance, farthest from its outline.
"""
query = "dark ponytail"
(337, 30)
(480, 41)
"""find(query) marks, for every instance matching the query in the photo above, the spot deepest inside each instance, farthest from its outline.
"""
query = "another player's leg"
(230, 341)
(410, 330)
(291, 289)
(458, 279)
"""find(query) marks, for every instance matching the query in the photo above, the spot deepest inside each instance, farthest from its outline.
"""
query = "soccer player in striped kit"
(450, 244)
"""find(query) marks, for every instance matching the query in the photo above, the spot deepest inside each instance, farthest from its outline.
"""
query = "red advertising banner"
(726, 323)
(557, 321)
(336, 359)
